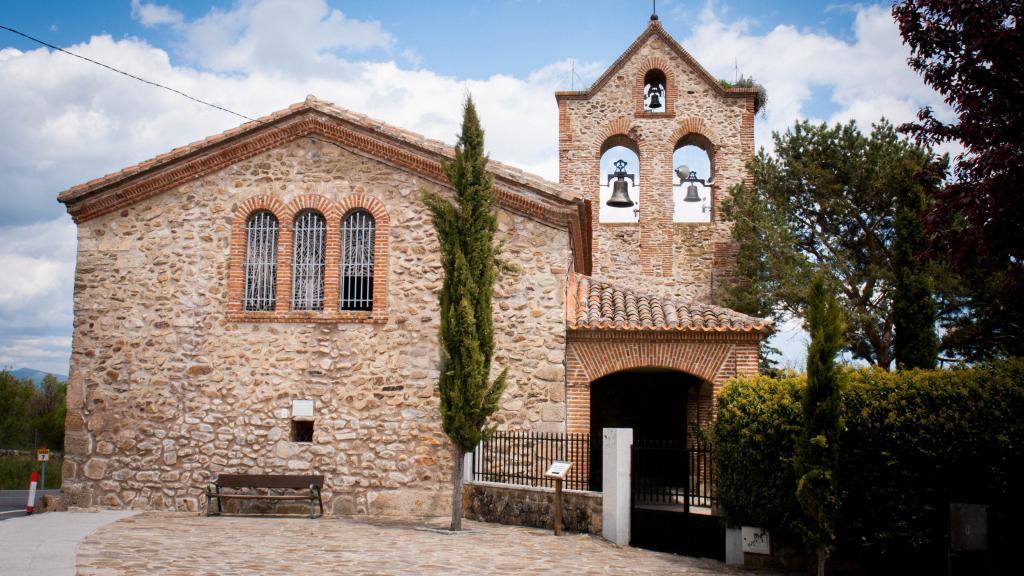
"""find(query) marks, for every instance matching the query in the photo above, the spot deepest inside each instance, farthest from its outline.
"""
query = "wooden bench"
(308, 487)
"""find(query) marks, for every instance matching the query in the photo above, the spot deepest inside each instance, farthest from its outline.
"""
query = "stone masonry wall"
(689, 261)
(530, 506)
(165, 392)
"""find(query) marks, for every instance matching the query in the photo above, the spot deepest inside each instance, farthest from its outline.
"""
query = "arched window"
(692, 183)
(620, 172)
(654, 91)
(261, 261)
(308, 261)
(357, 244)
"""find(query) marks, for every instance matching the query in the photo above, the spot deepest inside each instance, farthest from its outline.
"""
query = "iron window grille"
(308, 262)
(261, 232)
(357, 244)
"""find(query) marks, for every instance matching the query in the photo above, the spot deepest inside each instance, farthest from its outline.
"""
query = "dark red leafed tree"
(973, 54)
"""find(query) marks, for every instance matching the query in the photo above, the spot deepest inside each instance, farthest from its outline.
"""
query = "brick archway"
(714, 357)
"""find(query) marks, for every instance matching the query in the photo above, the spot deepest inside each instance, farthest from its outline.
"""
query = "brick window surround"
(671, 88)
(333, 212)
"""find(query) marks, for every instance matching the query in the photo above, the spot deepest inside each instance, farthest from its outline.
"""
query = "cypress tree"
(817, 453)
(465, 231)
(914, 311)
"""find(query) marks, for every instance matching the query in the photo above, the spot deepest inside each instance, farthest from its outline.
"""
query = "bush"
(914, 441)
(16, 470)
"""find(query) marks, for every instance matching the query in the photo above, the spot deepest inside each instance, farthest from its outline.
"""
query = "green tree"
(466, 231)
(914, 309)
(47, 412)
(15, 401)
(817, 452)
(825, 202)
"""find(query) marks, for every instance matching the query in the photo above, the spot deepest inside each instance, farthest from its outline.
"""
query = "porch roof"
(594, 304)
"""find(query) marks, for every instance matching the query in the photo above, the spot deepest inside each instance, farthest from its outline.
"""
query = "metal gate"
(672, 499)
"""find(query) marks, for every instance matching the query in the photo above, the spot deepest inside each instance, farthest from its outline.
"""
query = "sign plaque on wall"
(755, 540)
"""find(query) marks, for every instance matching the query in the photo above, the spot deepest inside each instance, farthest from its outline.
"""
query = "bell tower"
(655, 144)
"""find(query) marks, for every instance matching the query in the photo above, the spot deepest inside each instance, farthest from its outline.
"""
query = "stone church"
(265, 300)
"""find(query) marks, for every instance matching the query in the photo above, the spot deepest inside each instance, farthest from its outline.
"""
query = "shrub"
(914, 441)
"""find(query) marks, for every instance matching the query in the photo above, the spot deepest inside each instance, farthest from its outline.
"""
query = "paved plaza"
(161, 543)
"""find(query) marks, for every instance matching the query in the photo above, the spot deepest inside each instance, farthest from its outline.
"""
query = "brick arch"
(372, 205)
(621, 126)
(695, 125)
(671, 89)
(236, 251)
(711, 357)
(324, 206)
(381, 244)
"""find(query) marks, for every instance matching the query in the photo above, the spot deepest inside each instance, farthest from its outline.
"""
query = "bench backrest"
(268, 481)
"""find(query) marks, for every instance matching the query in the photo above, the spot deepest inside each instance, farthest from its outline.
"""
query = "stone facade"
(166, 390)
(534, 507)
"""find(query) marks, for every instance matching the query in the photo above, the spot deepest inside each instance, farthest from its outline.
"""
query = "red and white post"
(32, 493)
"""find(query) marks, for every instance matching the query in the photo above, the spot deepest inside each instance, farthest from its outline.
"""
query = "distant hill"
(36, 376)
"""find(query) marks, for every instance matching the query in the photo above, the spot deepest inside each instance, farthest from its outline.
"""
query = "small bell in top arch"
(654, 93)
(620, 189)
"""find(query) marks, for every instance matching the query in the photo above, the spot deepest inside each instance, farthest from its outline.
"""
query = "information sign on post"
(558, 470)
(43, 455)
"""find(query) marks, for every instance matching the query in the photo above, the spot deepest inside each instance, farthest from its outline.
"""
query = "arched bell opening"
(619, 194)
(693, 179)
(660, 405)
(654, 94)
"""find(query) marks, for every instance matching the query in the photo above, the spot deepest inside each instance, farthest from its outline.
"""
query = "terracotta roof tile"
(597, 305)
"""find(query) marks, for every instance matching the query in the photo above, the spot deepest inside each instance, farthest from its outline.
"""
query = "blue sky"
(63, 121)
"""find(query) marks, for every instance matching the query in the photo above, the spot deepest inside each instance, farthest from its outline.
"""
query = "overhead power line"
(128, 74)
(151, 83)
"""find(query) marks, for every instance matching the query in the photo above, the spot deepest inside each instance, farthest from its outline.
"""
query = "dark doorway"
(650, 401)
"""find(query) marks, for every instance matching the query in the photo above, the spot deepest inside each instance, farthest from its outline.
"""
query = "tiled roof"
(553, 189)
(596, 305)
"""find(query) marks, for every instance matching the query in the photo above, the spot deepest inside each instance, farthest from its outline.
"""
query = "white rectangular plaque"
(755, 540)
(302, 408)
(558, 469)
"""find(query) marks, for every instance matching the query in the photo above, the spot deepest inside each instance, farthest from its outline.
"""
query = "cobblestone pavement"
(161, 543)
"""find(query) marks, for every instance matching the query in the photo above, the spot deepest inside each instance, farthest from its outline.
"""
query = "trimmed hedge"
(913, 442)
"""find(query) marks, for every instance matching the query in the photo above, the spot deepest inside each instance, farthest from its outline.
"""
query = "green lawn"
(16, 471)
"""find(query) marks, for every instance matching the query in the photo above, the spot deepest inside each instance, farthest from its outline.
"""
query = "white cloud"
(867, 76)
(288, 36)
(38, 263)
(151, 14)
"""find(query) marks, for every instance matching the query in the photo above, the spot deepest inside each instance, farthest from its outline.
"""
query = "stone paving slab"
(162, 543)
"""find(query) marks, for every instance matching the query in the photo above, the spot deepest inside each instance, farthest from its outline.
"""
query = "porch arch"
(712, 357)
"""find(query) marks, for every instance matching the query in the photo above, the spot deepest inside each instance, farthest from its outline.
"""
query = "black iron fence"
(669, 474)
(523, 457)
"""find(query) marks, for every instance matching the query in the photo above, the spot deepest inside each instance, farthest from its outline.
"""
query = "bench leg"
(208, 503)
(320, 499)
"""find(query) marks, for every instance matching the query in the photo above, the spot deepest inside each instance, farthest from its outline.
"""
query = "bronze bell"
(691, 194)
(620, 190)
(655, 101)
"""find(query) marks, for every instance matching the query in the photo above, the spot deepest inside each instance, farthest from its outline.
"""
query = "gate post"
(615, 503)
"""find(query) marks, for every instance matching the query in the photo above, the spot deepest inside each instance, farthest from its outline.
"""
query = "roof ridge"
(654, 27)
(500, 169)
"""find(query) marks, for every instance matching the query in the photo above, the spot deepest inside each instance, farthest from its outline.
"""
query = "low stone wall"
(529, 506)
